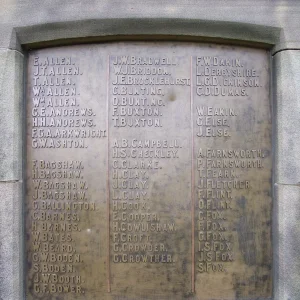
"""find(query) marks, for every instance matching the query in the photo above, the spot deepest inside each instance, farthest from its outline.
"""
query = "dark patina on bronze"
(148, 172)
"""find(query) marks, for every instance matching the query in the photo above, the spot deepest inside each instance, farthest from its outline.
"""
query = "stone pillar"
(11, 178)
(286, 222)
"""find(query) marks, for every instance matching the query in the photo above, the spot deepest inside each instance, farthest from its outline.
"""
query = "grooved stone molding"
(286, 213)
(287, 136)
(252, 20)
(286, 242)
(11, 233)
(11, 96)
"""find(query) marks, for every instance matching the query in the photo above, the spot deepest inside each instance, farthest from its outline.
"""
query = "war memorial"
(149, 150)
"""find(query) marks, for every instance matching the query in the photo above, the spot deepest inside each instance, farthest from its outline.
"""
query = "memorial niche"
(148, 172)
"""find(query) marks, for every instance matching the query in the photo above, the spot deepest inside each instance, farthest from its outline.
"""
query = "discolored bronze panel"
(148, 172)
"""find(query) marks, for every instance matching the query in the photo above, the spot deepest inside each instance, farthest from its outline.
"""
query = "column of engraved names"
(218, 179)
(59, 191)
(137, 106)
(58, 119)
(221, 169)
(59, 196)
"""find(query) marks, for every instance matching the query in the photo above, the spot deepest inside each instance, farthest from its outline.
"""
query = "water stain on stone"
(241, 202)
(171, 95)
(246, 237)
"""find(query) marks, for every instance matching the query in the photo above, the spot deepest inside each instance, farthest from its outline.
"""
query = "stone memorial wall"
(149, 150)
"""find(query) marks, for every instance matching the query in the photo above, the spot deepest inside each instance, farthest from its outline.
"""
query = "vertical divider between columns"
(192, 178)
(107, 184)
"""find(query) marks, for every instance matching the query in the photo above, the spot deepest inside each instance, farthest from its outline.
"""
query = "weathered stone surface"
(286, 242)
(287, 107)
(218, 19)
(11, 236)
(11, 95)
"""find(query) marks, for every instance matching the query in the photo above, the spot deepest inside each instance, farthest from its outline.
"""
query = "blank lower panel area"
(148, 172)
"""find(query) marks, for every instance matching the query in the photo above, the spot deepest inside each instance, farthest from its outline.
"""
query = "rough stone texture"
(287, 243)
(11, 95)
(108, 29)
(287, 135)
(286, 213)
(11, 235)
(275, 22)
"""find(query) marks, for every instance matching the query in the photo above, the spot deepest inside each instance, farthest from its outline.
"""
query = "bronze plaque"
(148, 172)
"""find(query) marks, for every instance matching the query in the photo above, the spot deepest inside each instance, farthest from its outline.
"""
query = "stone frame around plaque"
(13, 62)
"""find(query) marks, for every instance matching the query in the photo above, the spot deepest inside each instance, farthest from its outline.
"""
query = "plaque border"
(23, 39)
